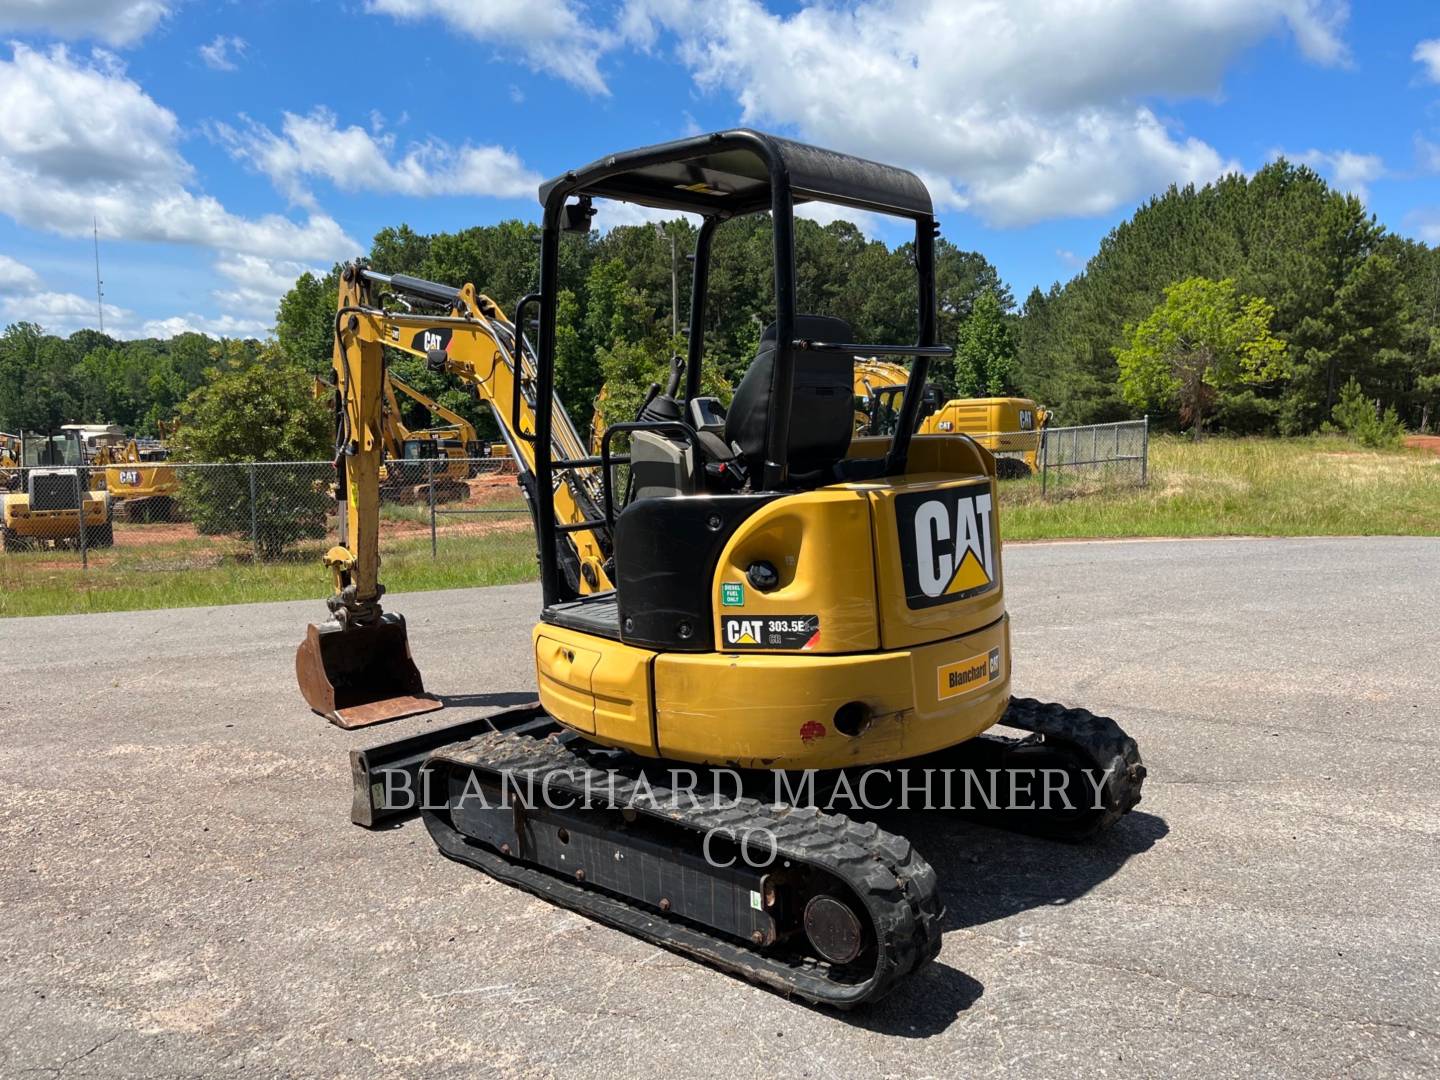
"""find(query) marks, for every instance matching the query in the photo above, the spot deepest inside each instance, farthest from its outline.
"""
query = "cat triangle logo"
(746, 639)
(948, 543)
(968, 575)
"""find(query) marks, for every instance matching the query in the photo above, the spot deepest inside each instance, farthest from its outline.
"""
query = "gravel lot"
(181, 892)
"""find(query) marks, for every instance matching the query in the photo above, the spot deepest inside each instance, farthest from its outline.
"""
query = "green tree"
(985, 350)
(305, 322)
(1201, 339)
(260, 412)
(38, 388)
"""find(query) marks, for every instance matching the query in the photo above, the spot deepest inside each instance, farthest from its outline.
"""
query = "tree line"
(1331, 298)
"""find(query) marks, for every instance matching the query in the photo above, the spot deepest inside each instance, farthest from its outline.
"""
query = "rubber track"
(896, 886)
(1097, 738)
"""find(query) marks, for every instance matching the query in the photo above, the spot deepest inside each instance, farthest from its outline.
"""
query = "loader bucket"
(361, 675)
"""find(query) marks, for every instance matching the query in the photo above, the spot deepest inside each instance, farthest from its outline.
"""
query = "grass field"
(1220, 487)
(1244, 487)
(166, 573)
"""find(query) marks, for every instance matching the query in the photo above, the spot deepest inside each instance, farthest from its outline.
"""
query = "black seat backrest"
(822, 418)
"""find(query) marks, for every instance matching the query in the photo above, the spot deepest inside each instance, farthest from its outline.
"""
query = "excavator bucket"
(361, 675)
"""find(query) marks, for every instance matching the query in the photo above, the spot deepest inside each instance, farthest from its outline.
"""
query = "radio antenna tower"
(99, 293)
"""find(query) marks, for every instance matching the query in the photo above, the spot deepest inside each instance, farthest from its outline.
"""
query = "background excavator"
(456, 431)
(1009, 427)
(781, 599)
(416, 460)
(137, 474)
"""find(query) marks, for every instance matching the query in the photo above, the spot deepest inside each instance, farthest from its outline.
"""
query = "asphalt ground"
(182, 894)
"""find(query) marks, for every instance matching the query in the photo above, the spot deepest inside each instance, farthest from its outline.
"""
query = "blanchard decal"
(963, 676)
(947, 544)
(430, 340)
(771, 631)
(732, 594)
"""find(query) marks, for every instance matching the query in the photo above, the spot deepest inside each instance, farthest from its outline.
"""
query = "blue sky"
(223, 148)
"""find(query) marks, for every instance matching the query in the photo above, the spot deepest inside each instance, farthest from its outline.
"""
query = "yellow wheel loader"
(787, 610)
(53, 502)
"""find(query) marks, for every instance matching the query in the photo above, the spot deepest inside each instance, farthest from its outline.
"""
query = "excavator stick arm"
(355, 668)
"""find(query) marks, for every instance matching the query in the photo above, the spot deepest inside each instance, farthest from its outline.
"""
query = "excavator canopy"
(730, 173)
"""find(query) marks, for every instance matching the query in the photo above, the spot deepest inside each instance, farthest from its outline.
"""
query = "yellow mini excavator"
(776, 600)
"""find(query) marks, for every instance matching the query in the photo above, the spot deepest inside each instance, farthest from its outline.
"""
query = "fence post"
(82, 484)
(1145, 450)
(430, 469)
(254, 516)
(1044, 459)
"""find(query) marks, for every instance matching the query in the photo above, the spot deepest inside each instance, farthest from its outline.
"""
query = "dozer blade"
(361, 675)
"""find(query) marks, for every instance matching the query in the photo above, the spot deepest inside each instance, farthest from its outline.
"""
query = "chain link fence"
(185, 515)
(1080, 460)
(172, 516)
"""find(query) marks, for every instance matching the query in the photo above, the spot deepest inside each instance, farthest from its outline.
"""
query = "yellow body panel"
(778, 710)
(902, 625)
(137, 480)
(51, 524)
(1001, 425)
(905, 680)
(819, 543)
(597, 686)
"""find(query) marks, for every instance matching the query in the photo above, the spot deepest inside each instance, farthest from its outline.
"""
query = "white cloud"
(354, 159)
(62, 313)
(224, 326)
(16, 278)
(116, 22)
(1425, 224)
(1427, 154)
(1427, 55)
(609, 214)
(1347, 170)
(256, 283)
(82, 143)
(24, 298)
(552, 35)
(1026, 110)
(1069, 258)
(224, 53)
(824, 213)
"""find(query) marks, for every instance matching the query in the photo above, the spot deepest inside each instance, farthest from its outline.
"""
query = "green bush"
(1359, 417)
(263, 412)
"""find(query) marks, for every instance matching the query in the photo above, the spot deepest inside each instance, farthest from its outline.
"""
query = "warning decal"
(770, 631)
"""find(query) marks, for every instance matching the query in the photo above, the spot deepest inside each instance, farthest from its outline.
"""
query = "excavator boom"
(356, 668)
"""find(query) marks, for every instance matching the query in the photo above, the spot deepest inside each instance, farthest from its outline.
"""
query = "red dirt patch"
(1424, 442)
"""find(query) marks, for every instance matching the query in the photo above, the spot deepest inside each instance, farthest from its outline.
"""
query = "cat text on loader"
(356, 668)
(798, 602)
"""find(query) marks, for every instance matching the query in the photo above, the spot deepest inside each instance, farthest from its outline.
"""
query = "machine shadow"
(988, 874)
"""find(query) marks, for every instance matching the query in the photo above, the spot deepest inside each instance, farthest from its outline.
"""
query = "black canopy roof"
(732, 173)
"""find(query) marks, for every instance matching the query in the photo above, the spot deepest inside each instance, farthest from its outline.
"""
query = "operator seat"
(822, 418)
